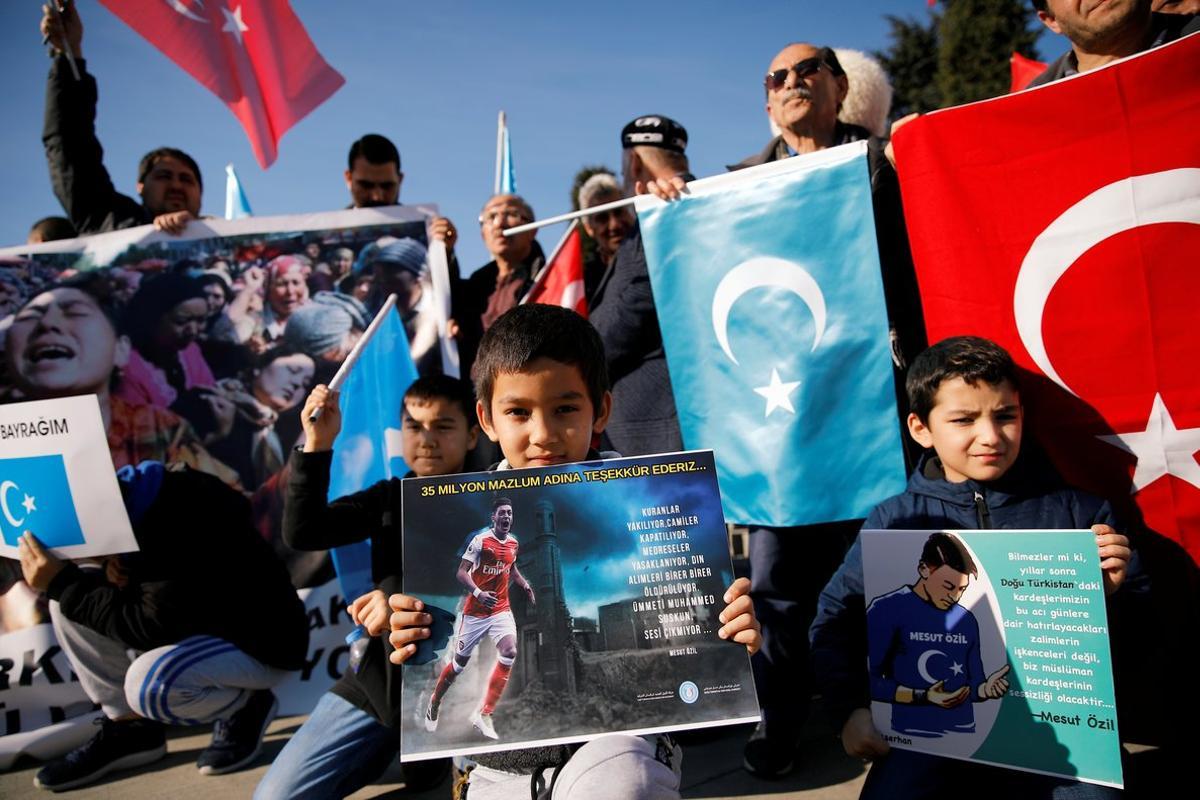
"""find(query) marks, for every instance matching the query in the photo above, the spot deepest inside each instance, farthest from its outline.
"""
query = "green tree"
(911, 63)
(959, 55)
(976, 39)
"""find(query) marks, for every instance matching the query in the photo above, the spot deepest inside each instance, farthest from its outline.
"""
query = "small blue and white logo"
(689, 692)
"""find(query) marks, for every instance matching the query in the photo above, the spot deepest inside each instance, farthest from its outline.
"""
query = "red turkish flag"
(253, 54)
(560, 283)
(1023, 71)
(1063, 223)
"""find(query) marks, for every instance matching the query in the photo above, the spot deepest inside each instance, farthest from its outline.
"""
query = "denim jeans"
(336, 752)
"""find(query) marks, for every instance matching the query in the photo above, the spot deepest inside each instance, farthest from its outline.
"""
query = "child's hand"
(371, 611)
(406, 623)
(859, 737)
(1114, 556)
(739, 623)
(38, 567)
(319, 434)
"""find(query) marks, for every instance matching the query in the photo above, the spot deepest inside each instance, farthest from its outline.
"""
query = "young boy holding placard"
(967, 409)
(353, 733)
(541, 384)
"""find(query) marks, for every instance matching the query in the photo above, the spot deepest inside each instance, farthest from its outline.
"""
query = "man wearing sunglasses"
(622, 309)
(805, 87)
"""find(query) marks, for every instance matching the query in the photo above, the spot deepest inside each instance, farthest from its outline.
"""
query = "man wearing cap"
(622, 307)
(398, 266)
(168, 181)
(1104, 33)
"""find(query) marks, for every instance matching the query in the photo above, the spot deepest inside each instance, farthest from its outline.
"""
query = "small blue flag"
(505, 169)
(771, 306)
(35, 496)
(236, 205)
(367, 449)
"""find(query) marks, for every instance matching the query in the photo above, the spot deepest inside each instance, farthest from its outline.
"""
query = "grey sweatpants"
(197, 680)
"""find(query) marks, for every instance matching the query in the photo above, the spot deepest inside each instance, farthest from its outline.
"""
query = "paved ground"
(711, 770)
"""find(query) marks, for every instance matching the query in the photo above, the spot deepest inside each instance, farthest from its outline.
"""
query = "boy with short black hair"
(353, 734)
(542, 389)
(966, 407)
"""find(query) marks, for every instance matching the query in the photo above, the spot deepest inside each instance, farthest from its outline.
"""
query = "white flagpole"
(540, 278)
(583, 212)
(344, 370)
(439, 276)
(500, 124)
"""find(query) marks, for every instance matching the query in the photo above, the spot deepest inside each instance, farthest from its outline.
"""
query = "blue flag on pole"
(771, 306)
(236, 205)
(367, 449)
(508, 173)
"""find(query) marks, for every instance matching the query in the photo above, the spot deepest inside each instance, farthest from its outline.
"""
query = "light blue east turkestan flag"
(236, 205)
(368, 449)
(36, 495)
(771, 306)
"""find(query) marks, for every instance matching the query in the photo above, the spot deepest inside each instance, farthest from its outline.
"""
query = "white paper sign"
(57, 480)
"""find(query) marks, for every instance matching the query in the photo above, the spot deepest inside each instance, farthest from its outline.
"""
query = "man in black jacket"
(205, 605)
(168, 184)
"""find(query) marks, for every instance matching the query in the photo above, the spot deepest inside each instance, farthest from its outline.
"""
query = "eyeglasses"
(495, 218)
(803, 69)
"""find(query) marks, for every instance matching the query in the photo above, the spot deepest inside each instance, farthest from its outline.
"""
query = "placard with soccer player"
(569, 602)
(992, 647)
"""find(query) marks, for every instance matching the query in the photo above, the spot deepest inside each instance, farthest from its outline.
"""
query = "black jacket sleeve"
(310, 522)
(76, 159)
(142, 617)
(628, 321)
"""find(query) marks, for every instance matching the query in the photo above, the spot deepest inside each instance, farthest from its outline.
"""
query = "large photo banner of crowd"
(201, 349)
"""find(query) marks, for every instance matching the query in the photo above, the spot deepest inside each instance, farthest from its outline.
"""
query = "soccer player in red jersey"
(488, 564)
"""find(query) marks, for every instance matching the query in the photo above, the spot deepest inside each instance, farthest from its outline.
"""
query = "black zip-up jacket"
(1030, 496)
(310, 522)
(202, 570)
(76, 159)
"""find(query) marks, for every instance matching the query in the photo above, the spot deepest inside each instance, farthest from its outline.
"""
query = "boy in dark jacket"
(542, 386)
(965, 406)
(353, 734)
(205, 605)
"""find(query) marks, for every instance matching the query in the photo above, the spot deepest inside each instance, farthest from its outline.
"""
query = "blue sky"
(432, 77)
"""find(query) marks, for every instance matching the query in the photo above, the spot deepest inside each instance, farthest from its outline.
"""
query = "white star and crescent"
(767, 272)
(1161, 197)
(28, 503)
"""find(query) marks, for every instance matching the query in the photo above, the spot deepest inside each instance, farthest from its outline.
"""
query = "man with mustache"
(805, 87)
(168, 183)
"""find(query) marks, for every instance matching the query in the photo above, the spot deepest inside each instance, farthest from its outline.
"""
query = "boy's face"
(975, 429)
(435, 436)
(943, 585)
(543, 415)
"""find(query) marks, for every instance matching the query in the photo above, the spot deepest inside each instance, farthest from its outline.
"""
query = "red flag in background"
(560, 283)
(1023, 71)
(253, 54)
(1063, 222)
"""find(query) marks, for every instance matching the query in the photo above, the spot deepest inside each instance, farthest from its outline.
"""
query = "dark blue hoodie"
(1030, 496)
